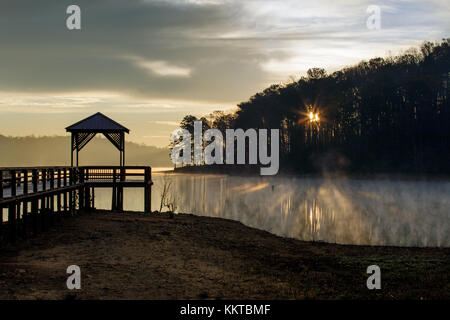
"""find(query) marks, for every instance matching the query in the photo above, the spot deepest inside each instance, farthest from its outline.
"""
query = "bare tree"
(168, 198)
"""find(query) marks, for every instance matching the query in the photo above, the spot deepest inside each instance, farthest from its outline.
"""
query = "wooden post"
(1, 184)
(114, 192)
(1, 224)
(1, 208)
(52, 197)
(12, 222)
(44, 183)
(93, 198)
(71, 183)
(25, 204)
(34, 203)
(147, 190)
(122, 138)
(65, 193)
(18, 178)
(25, 181)
(71, 149)
(18, 183)
(44, 179)
(44, 200)
(43, 213)
(65, 177)
(81, 189)
(87, 195)
(58, 196)
(120, 190)
(12, 209)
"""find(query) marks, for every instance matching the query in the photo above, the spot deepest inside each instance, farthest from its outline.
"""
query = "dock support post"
(34, 203)
(147, 190)
(120, 190)
(12, 222)
(81, 189)
(12, 209)
(114, 192)
(52, 197)
(43, 213)
(1, 223)
(71, 192)
(1, 208)
(1, 184)
(58, 196)
(25, 205)
(93, 198)
(87, 193)
(65, 193)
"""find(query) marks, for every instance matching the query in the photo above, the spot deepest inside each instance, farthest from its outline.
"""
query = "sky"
(147, 63)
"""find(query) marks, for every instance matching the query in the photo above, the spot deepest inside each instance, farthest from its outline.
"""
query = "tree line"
(55, 151)
(383, 115)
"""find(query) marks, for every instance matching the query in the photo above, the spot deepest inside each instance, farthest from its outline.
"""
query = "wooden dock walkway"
(37, 197)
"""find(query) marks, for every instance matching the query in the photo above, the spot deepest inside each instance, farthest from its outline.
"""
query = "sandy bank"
(136, 256)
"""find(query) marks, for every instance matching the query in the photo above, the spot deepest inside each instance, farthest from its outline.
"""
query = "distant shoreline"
(254, 171)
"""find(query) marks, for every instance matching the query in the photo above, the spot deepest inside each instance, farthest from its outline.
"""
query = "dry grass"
(137, 256)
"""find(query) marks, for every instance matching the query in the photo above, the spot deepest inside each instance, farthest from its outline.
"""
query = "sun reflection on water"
(362, 212)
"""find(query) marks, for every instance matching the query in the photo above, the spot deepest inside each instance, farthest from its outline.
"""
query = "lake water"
(363, 212)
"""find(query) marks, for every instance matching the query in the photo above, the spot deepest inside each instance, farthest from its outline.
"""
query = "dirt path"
(136, 256)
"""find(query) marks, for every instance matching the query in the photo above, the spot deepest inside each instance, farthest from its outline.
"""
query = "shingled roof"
(97, 123)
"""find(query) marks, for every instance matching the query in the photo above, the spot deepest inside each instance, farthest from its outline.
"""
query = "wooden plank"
(39, 194)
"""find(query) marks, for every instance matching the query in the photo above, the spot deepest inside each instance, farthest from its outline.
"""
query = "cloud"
(193, 50)
(167, 123)
(167, 58)
(161, 68)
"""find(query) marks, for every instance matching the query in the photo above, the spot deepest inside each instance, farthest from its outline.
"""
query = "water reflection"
(400, 213)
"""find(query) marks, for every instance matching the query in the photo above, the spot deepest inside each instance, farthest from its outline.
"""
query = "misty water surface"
(400, 213)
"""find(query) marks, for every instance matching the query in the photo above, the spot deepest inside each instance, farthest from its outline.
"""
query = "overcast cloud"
(170, 58)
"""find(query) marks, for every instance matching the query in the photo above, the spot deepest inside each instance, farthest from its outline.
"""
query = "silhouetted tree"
(385, 114)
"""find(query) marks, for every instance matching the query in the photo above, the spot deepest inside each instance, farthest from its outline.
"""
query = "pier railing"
(37, 197)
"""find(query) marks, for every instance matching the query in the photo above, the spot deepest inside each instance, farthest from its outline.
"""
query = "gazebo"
(84, 130)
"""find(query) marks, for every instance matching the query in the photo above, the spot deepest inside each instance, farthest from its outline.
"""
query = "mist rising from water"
(363, 212)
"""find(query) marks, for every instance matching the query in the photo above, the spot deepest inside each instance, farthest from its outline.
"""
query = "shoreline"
(206, 170)
(162, 256)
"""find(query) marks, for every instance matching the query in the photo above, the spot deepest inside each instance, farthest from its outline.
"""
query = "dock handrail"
(54, 191)
(60, 176)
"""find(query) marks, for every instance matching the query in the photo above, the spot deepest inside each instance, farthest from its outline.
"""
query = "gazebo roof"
(97, 123)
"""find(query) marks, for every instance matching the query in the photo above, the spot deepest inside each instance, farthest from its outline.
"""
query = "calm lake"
(345, 211)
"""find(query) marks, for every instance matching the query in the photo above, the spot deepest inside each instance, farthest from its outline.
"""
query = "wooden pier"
(38, 197)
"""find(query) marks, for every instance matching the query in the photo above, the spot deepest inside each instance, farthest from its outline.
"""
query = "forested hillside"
(382, 115)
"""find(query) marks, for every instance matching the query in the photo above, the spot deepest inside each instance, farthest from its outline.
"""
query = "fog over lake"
(345, 211)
